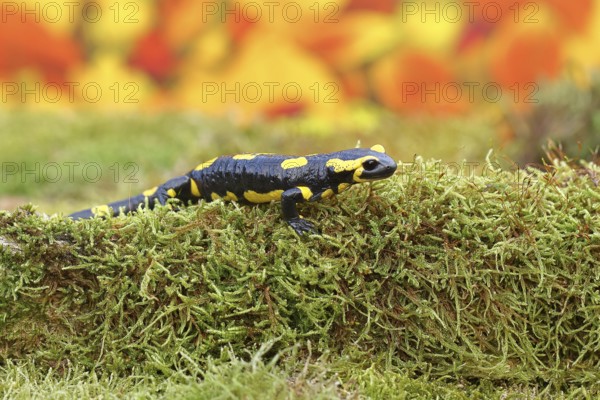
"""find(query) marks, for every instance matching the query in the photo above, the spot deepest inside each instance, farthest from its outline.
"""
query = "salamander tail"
(123, 206)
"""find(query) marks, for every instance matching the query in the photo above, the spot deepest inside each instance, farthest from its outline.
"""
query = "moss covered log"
(460, 278)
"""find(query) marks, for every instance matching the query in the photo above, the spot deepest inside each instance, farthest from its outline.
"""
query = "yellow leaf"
(106, 82)
(258, 82)
(117, 23)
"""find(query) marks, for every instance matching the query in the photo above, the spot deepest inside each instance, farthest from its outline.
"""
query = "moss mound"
(460, 278)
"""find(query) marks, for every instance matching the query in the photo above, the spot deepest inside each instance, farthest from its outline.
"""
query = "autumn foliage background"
(253, 60)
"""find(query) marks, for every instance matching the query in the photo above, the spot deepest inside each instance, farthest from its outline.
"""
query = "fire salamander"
(262, 178)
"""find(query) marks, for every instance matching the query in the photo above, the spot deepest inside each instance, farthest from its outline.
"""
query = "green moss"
(254, 377)
(477, 282)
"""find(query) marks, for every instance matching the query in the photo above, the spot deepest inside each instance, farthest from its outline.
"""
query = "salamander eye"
(370, 165)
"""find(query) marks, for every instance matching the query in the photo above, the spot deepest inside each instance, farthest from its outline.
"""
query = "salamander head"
(362, 165)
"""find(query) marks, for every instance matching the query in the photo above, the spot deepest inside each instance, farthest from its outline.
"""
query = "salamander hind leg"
(177, 188)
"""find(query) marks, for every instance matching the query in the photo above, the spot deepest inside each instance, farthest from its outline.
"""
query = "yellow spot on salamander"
(294, 162)
(249, 156)
(350, 165)
(102, 211)
(306, 192)
(327, 194)
(347, 165)
(194, 188)
(171, 192)
(356, 176)
(230, 196)
(150, 192)
(342, 165)
(342, 187)
(378, 148)
(254, 197)
(205, 164)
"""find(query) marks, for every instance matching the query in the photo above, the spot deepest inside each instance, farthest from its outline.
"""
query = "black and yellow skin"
(262, 178)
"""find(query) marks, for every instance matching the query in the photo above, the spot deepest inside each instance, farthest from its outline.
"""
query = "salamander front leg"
(289, 198)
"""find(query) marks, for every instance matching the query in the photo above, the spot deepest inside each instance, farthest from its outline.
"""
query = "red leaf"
(152, 55)
(528, 57)
(25, 43)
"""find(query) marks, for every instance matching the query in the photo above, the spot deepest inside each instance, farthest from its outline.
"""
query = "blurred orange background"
(266, 59)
